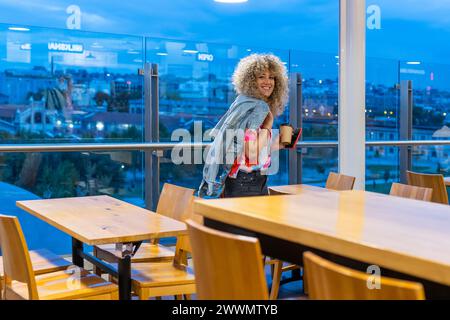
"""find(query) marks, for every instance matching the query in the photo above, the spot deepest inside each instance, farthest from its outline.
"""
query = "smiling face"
(265, 82)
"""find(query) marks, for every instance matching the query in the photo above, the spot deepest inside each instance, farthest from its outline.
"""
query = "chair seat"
(63, 285)
(161, 274)
(43, 261)
(147, 252)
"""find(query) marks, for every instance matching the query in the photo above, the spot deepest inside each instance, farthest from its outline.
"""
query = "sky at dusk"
(410, 29)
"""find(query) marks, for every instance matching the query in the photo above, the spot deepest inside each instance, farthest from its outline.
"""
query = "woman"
(239, 156)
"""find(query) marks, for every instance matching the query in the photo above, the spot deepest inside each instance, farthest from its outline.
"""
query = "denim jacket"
(244, 113)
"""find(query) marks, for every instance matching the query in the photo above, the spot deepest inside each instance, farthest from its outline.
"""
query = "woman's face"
(265, 82)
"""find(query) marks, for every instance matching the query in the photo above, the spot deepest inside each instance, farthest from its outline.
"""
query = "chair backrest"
(433, 181)
(176, 202)
(329, 281)
(411, 192)
(227, 266)
(340, 182)
(16, 259)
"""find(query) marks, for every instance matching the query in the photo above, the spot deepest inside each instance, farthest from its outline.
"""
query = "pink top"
(243, 163)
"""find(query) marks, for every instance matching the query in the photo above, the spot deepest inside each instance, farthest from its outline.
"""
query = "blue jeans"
(246, 185)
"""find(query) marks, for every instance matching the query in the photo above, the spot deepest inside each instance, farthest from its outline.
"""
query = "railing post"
(295, 118)
(151, 125)
(405, 127)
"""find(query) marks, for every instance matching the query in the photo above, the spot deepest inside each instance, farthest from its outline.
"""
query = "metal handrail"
(155, 146)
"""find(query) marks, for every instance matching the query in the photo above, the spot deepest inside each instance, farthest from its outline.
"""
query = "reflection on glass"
(317, 164)
(319, 73)
(67, 85)
(382, 168)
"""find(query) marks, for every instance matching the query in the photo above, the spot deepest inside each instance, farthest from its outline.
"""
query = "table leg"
(77, 259)
(124, 278)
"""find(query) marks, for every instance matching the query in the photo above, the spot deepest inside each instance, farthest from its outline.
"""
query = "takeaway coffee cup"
(286, 132)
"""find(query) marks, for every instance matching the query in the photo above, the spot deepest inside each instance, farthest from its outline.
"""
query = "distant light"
(392, 112)
(71, 125)
(231, 1)
(413, 62)
(249, 50)
(100, 126)
(122, 166)
(432, 76)
(385, 112)
(337, 57)
(108, 74)
(162, 54)
(58, 123)
(370, 110)
(329, 114)
(96, 45)
(25, 46)
(18, 29)
(190, 51)
(128, 82)
(320, 81)
(444, 114)
(306, 110)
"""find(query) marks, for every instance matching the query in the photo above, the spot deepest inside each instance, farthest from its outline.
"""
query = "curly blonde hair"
(245, 75)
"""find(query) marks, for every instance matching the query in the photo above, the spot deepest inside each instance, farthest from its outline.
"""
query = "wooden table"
(101, 220)
(409, 239)
(298, 189)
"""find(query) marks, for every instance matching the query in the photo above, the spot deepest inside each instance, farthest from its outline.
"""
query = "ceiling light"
(190, 48)
(231, 1)
(413, 62)
(18, 29)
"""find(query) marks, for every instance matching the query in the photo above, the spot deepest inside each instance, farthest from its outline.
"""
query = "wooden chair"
(165, 278)
(433, 181)
(22, 283)
(174, 202)
(42, 261)
(227, 266)
(411, 192)
(328, 280)
(339, 182)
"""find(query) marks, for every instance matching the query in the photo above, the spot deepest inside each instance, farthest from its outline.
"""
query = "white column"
(352, 55)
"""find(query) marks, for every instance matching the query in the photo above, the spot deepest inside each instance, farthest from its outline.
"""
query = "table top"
(409, 236)
(99, 220)
(298, 188)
